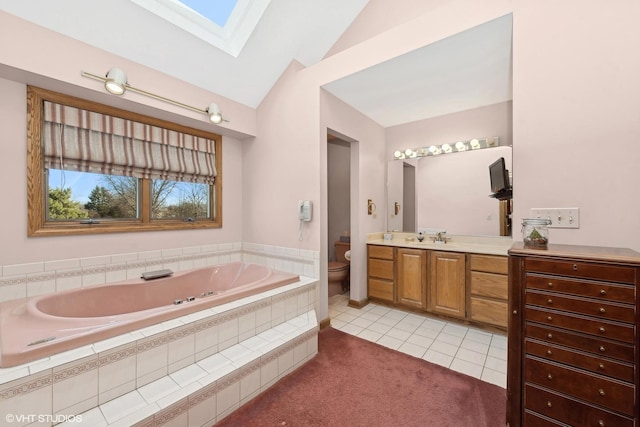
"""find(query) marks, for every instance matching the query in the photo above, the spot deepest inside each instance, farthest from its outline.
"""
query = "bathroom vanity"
(465, 278)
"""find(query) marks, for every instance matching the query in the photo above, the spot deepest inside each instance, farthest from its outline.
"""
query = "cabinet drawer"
(381, 268)
(489, 285)
(489, 311)
(598, 327)
(532, 419)
(595, 308)
(587, 270)
(570, 411)
(590, 344)
(595, 389)
(620, 293)
(589, 362)
(381, 289)
(384, 252)
(489, 263)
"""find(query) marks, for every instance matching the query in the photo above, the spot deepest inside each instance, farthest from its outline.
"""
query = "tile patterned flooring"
(463, 348)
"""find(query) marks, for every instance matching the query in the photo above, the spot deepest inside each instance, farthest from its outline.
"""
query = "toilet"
(339, 269)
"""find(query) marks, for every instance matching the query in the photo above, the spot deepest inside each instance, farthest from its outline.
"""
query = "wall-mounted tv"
(499, 176)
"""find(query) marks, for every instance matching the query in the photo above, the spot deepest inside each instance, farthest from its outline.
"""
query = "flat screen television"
(499, 176)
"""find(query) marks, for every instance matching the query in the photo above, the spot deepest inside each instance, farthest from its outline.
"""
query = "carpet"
(354, 382)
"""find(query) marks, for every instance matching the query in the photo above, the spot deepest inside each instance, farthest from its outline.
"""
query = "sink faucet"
(440, 237)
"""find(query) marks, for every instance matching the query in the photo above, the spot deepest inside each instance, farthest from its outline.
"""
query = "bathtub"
(38, 327)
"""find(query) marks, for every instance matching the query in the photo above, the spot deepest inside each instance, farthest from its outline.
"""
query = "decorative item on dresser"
(573, 336)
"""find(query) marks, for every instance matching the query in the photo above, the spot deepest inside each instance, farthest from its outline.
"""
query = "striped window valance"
(86, 141)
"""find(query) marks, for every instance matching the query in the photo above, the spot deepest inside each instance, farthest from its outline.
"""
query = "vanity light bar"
(434, 150)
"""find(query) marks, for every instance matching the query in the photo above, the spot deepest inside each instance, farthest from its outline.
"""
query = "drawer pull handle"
(549, 318)
(515, 311)
(549, 301)
(600, 423)
(603, 292)
(575, 267)
(602, 349)
(549, 352)
(550, 336)
(602, 330)
(601, 392)
(550, 284)
(550, 376)
(549, 404)
(602, 310)
(601, 366)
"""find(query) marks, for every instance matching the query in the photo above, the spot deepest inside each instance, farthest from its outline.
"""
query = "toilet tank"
(341, 248)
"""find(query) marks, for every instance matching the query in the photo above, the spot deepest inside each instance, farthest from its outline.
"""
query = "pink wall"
(576, 116)
(57, 67)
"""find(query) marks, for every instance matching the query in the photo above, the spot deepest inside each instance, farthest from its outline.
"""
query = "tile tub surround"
(207, 355)
(39, 278)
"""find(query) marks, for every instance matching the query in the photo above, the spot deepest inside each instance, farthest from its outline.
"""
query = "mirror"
(450, 192)
(455, 89)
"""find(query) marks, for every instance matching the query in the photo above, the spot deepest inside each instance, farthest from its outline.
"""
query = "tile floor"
(463, 348)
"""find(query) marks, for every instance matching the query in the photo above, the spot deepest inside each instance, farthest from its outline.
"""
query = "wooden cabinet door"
(412, 275)
(447, 283)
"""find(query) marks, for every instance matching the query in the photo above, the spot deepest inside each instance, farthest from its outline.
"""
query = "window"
(97, 169)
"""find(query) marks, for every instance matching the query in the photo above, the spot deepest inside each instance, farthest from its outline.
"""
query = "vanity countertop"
(487, 245)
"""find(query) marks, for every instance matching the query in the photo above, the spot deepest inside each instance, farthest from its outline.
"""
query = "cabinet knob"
(549, 352)
(602, 310)
(601, 392)
(601, 366)
(575, 267)
(549, 318)
(549, 405)
(550, 336)
(550, 301)
(601, 329)
(602, 349)
(550, 284)
(600, 423)
(515, 311)
(550, 376)
(603, 292)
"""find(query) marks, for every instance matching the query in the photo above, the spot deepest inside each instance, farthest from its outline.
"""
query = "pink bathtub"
(41, 326)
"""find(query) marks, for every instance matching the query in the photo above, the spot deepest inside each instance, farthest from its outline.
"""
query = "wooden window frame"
(37, 224)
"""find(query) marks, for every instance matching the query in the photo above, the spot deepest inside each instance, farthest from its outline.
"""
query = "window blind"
(86, 141)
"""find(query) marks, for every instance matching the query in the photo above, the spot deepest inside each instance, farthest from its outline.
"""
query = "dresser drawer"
(384, 252)
(489, 263)
(595, 308)
(570, 411)
(586, 270)
(596, 364)
(489, 311)
(381, 268)
(489, 285)
(602, 391)
(610, 292)
(381, 289)
(590, 344)
(601, 328)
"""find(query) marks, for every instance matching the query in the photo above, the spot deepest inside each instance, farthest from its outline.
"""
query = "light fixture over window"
(115, 82)
(214, 113)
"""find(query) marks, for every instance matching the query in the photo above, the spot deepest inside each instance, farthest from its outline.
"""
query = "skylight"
(217, 11)
(225, 24)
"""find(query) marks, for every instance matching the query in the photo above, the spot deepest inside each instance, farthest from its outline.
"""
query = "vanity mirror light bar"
(435, 150)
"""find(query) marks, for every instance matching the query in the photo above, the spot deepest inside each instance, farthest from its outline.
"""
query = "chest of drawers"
(573, 337)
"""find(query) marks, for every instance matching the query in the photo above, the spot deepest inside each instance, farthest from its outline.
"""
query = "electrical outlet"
(560, 217)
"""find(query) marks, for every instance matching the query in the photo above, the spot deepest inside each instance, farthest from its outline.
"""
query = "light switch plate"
(560, 217)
